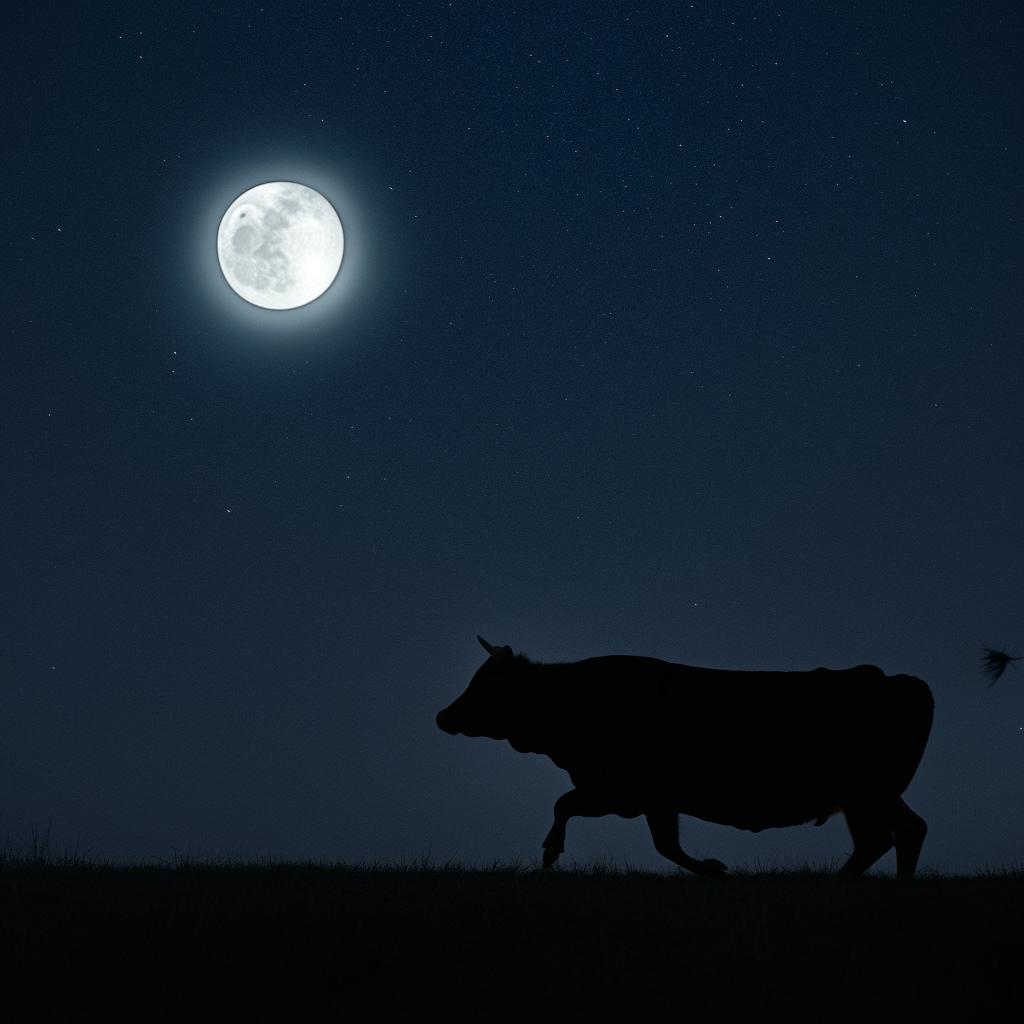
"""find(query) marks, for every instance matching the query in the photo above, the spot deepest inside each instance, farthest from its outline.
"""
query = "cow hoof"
(552, 851)
(553, 848)
(711, 868)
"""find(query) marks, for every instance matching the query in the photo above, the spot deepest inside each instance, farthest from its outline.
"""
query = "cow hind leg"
(871, 828)
(909, 830)
(664, 826)
(876, 828)
(575, 803)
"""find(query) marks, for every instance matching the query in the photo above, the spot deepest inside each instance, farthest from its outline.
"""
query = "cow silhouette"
(754, 750)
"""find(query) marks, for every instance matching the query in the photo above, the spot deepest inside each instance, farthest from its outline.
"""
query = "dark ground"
(305, 942)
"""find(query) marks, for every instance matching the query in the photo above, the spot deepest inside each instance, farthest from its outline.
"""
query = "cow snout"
(444, 722)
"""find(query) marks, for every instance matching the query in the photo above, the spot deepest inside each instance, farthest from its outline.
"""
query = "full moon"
(280, 245)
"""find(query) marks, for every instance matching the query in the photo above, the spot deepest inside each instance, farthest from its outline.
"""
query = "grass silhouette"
(269, 941)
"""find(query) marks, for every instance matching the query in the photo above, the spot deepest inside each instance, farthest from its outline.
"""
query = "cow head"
(486, 707)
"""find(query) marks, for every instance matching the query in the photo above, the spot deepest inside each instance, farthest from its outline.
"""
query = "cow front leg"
(569, 805)
(664, 826)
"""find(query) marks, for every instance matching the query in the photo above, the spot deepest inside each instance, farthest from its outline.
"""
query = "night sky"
(683, 330)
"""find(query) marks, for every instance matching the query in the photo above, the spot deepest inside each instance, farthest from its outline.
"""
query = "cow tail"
(914, 725)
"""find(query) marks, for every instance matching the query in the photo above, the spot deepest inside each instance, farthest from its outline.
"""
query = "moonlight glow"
(280, 245)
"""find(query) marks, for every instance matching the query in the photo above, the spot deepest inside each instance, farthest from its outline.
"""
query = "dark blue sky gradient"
(691, 331)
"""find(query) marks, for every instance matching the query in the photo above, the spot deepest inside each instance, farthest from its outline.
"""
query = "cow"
(753, 750)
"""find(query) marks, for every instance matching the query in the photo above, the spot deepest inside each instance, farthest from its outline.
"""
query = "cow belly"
(743, 800)
(750, 818)
(755, 802)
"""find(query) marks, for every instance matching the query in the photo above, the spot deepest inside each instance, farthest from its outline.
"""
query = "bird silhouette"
(994, 663)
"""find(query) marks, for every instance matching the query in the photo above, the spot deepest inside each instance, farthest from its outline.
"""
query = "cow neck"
(543, 718)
